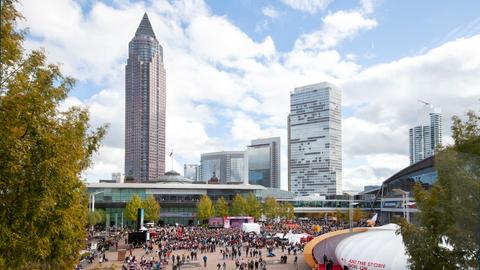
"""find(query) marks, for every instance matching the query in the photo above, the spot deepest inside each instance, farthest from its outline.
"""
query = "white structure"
(425, 138)
(263, 160)
(117, 177)
(191, 171)
(315, 140)
(379, 248)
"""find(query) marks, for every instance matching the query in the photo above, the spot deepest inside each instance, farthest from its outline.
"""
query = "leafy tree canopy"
(132, 206)
(152, 209)
(205, 208)
(221, 207)
(450, 210)
(43, 150)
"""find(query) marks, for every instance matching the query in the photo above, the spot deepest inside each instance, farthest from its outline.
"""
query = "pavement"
(213, 258)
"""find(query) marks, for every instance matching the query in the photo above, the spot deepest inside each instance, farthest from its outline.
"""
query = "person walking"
(205, 261)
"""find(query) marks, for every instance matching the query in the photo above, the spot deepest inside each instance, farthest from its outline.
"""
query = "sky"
(231, 66)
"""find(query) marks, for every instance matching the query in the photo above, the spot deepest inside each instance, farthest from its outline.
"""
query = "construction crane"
(424, 102)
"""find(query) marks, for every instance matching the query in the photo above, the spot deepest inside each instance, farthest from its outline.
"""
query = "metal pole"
(122, 219)
(406, 208)
(351, 212)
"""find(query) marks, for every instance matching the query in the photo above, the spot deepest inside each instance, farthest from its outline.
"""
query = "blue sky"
(231, 65)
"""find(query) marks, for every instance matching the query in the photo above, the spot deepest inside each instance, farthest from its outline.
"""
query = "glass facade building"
(178, 198)
(145, 90)
(191, 171)
(263, 158)
(424, 139)
(229, 166)
(315, 140)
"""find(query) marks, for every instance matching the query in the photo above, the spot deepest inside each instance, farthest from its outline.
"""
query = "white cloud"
(336, 27)
(220, 78)
(310, 6)
(270, 12)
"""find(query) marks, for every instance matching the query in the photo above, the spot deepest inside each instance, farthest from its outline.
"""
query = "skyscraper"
(145, 103)
(424, 139)
(315, 140)
(228, 166)
(191, 171)
(263, 159)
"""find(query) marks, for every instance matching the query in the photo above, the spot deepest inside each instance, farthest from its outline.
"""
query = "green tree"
(270, 208)
(132, 206)
(152, 209)
(43, 151)
(239, 205)
(450, 210)
(205, 208)
(253, 206)
(286, 210)
(96, 217)
(221, 207)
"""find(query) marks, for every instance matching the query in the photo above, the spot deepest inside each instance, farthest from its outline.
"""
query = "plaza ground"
(213, 259)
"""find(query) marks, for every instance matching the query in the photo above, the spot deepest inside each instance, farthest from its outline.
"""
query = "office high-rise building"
(144, 106)
(315, 140)
(424, 139)
(263, 159)
(191, 171)
(228, 166)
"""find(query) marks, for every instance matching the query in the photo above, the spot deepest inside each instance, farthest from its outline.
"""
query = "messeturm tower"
(145, 90)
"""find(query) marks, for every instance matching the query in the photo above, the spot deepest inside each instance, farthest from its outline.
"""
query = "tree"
(221, 207)
(286, 210)
(238, 206)
(450, 210)
(270, 208)
(132, 206)
(205, 208)
(253, 206)
(96, 217)
(357, 215)
(152, 209)
(43, 151)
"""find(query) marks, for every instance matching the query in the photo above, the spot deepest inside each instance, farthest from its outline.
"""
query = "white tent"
(293, 238)
(251, 227)
(378, 248)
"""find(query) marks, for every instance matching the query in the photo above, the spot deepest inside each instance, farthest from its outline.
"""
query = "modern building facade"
(228, 166)
(315, 140)
(178, 197)
(424, 139)
(145, 103)
(263, 160)
(191, 171)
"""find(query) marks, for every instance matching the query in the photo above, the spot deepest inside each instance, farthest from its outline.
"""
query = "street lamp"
(92, 198)
(404, 194)
(351, 204)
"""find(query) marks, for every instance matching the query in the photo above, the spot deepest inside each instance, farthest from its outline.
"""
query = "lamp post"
(350, 209)
(92, 199)
(404, 194)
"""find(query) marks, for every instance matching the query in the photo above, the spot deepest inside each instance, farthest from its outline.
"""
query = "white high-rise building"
(191, 171)
(424, 139)
(315, 140)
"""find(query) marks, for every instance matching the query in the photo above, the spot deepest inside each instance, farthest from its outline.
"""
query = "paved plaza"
(212, 261)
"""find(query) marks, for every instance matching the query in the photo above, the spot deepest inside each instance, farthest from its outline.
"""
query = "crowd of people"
(173, 247)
